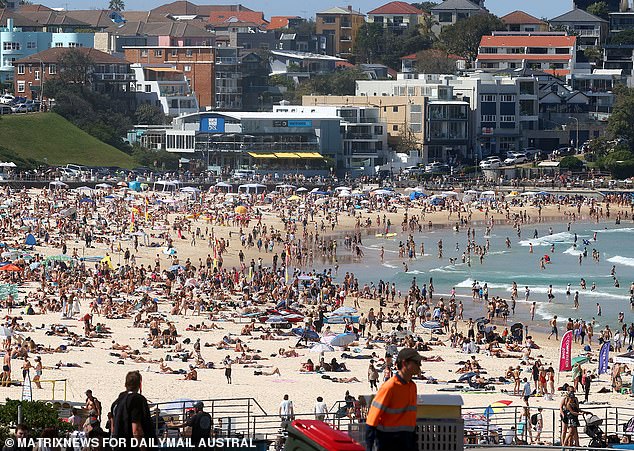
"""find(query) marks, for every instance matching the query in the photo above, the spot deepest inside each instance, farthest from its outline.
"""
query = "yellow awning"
(261, 155)
(310, 155)
(162, 69)
(286, 155)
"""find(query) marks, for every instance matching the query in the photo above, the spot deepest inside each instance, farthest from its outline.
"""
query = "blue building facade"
(16, 44)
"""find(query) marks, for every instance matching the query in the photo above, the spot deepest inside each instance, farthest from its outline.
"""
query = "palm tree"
(116, 5)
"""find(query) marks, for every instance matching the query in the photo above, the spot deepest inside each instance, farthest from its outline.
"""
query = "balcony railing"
(113, 76)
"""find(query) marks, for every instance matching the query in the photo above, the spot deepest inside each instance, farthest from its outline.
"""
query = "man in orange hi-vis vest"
(391, 421)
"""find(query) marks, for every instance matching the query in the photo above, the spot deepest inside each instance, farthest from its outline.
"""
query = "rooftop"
(340, 10)
(305, 55)
(277, 22)
(520, 17)
(528, 41)
(457, 4)
(577, 15)
(225, 17)
(397, 8)
(53, 55)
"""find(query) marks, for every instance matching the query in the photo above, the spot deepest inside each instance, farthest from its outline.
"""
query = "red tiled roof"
(53, 55)
(396, 8)
(223, 17)
(279, 22)
(434, 52)
(343, 64)
(528, 41)
(522, 56)
(520, 17)
(34, 7)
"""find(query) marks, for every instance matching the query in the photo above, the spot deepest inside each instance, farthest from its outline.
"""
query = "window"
(37, 74)
(174, 52)
(507, 98)
(75, 44)
(507, 118)
(31, 45)
(11, 46)
(158, 52)
(562, 51)
(143, 53)
(394, 128)
(378, 19)
(189, 53)
(515, 50)
(148, 88)
(394, 109)
(20, 69)
(59, 44)
(488, 49)
(52, 69)
(488, 118)
(187, 68)
(446, 17)
(487, 98)
(328, 19)
(21, 86)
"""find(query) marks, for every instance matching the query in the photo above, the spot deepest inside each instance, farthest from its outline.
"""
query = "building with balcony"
(612, 5)
(228, 79)
(620, 57)
(269, 142)
(363, 133)
(340, 26)
(523, 22)
(15, 44)
(164, 86)
(446, 129)
(196, 63)
(451, 11)
(554, 53)
(301, 65)
(397, 16)
(620, 21)
(591, 31)
(108, 74)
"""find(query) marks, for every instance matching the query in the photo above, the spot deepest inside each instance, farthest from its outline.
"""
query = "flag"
(146, 212)
(603, 357)
(565, 352)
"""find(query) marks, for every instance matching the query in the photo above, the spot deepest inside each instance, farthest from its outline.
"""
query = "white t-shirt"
(321, 408)
(286, 408)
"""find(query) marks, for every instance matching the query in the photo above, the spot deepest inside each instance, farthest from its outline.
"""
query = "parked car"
(491, 163)
(6, 99)
(563, 151)
(5, 109)
(20, 108)
(515, 158)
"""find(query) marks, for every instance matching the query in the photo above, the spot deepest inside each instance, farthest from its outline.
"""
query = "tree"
(406, 142)
(434, 61)
(621, 121)
(571, 163)
(148, 114)
(369, 43)
(425, 6)
(463, 38)
(116, 5)
(37, 416)
(625, 37)
(75, 67)
(593, 54)
(599, 9)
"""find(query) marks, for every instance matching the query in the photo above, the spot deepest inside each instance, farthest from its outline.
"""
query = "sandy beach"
(100, 369)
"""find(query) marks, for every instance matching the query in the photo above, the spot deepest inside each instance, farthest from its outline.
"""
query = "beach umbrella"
(176, 267)
(344, 194)
(431, 325)
(322, 347)
(276, 319)
(580, 359)
(497, 406)
(345, 311)
(343, 340)
(33, 266)
(241, 210)
(10, 267)
(301, 190)
(86, 199)
(467, 376)
(305, 333)
(103, 186)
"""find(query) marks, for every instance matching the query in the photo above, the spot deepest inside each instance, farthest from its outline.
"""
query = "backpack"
(534, 419)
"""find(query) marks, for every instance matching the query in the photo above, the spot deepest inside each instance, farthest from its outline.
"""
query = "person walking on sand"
(553, 328)
(286, 412)
(227, 364)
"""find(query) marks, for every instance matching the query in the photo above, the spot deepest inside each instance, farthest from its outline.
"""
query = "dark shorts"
(227, 372)
(6, 368)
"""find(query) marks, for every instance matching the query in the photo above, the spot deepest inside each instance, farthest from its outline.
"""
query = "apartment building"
(196, 63)
(451, 11)
(109, 75)
(554, 53)
(164, 86)
(16, 43)
(340, 26)
(397, 17)
(590, 30)
(523, 22)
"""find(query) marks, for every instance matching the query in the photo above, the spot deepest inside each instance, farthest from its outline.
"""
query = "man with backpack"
(537, 421)
(131, 415)
(200, 423)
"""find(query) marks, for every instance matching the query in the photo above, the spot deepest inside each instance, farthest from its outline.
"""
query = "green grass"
(48, 137)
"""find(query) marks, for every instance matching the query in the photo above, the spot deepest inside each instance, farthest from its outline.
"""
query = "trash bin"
(314, 435)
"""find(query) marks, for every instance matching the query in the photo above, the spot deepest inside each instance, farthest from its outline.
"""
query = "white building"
(164, 86)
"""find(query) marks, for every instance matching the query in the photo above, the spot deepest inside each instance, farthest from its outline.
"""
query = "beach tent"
(30, 240)
(285, 186)
(226, 185)
(252, 188)
(103, 186)
(416, 194)
(190, 189)
(135, 186)
(57, 184)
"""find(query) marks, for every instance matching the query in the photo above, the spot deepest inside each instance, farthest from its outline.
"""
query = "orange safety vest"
(393, 408)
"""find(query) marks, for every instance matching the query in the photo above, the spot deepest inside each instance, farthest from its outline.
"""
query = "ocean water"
(503, 265)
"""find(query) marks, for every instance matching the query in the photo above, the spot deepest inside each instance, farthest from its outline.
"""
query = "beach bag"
(534, 419)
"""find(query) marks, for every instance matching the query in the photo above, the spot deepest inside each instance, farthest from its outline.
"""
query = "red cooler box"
(314, 435)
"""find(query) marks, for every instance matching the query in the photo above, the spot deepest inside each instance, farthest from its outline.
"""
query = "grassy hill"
(48, 135)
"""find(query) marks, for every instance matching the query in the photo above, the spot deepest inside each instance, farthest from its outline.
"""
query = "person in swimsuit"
(38, 372)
